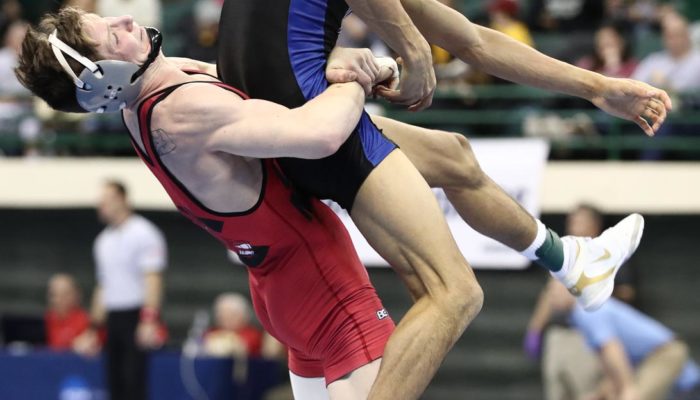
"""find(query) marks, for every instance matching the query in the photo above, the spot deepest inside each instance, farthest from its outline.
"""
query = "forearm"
(509, 59)
(153, 293)
(541, 315)
(498, 54)
(616, 366)
(97, 311)
(338, 109)
(389, 20)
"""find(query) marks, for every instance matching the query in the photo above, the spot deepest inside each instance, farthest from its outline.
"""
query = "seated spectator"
(355, 33)
(233, 334)
(10, 11)
(578, 19)
(65, 319)
(676, 67)
(612, 55)
(569, 369)
(87, 5)
(148, 12)
(201, 30)
(565, 15)
(641, 358)
(14, 98)
(503, 16)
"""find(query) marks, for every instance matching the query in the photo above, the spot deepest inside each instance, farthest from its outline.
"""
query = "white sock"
(537, 243)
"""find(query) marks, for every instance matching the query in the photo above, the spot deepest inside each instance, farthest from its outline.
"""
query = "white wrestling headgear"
(107, 85)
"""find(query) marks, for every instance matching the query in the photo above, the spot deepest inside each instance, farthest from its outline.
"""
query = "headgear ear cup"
(107, 85)
(112, 91)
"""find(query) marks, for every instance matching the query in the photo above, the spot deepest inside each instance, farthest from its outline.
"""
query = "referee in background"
(130, 255)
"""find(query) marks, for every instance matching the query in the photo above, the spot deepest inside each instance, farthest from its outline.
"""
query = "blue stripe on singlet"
(305, 43)
(306, 30)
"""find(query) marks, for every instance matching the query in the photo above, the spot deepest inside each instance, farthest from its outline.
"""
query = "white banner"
(517, 165)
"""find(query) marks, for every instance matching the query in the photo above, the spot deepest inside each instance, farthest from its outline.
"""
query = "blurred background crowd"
(655, 41)
(187, 300)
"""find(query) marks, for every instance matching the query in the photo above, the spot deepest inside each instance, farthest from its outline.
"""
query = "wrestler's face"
(118, 38)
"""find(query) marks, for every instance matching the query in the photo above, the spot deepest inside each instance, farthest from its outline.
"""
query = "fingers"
(664, 98)
(371, 63)
(644, 125)
(656, 109)
(656, 113)
(365, 81)
(423, 104)
(340, 76)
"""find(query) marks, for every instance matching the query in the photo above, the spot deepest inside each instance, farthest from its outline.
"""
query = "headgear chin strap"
(107, 85)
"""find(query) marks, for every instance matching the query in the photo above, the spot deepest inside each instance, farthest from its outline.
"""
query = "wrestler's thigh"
(445, 159)
(308, 388)
(357, 385)
(398, 214)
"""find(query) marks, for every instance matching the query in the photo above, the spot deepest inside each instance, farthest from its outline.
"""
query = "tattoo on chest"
(163, 142)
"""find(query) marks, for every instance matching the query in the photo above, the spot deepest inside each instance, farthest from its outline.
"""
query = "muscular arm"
(389, 20)
(261, 129)
(496, 53)
(499, 55)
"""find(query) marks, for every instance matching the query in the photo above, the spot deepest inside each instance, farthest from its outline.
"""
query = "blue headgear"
(107, 85)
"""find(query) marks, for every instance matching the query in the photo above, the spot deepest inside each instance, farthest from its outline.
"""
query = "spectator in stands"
(11, 91)
(233, 335)
(10, 11)
(147, 11)
(641, 358)
(503, 17)
(87, 5)
(565, 15)
(569, 369)
(130, 254)
(612, 55)
(674, 69)
(65, 318)
(201, 31)
(15, 100)
(355, 33)
(578, 19)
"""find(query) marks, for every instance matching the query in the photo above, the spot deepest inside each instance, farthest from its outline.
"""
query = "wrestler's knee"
(462, 297)
(459, 166)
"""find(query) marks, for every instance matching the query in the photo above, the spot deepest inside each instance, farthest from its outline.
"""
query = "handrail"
(619, 135)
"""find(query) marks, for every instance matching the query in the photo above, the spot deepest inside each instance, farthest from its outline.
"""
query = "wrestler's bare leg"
(357, 384)
(446, 160)
(398, 214)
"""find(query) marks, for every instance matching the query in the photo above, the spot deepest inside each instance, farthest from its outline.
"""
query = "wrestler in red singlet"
(309, 288)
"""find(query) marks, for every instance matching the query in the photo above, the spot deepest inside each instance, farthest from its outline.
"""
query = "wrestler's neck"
(160, 75)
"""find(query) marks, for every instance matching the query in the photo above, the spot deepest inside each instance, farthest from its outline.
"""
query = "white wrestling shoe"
(592, 277)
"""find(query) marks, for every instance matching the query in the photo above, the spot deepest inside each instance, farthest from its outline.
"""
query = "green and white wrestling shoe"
(590, 275)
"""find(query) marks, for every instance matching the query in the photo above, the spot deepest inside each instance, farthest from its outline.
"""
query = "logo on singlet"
(383, 313)
(250, 255)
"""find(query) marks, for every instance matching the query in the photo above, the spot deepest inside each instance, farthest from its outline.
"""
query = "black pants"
(126, 362)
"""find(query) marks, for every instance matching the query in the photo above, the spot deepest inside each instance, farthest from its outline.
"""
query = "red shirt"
(60, 332)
